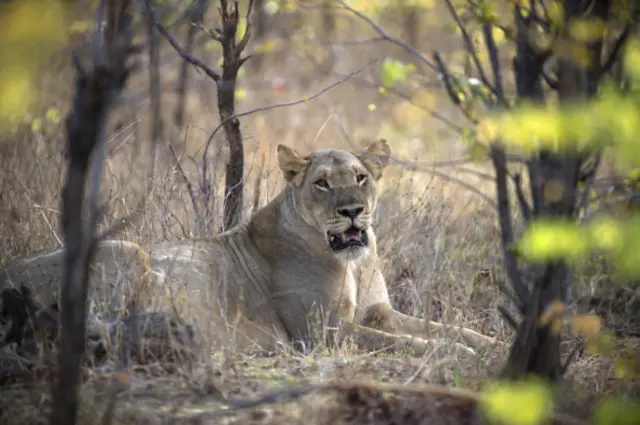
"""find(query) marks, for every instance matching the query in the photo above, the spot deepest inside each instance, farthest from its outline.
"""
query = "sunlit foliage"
(30, 30)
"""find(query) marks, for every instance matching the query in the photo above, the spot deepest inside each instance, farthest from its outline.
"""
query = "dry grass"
(439, 242)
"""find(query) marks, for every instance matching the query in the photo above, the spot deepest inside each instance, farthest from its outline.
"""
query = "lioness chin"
(307, 258)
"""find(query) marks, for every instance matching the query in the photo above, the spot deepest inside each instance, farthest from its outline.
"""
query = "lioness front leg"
(377, 340)
(375, 310)
(382, 316)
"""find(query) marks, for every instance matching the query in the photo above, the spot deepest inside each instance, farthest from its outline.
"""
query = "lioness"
(308, 257)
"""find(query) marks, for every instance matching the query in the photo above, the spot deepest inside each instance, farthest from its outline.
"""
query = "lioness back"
(222, 285)
(119, 274)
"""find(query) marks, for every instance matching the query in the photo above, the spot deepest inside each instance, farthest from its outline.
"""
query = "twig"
(507, 316)
(487, 29)
(53, 231)
(387, 37)
(571, 355)
(195, 18)
(286, 104)
(155, 101)
(498, 157)
(183, 175)
(525, 208)
(446, 78)
(586, 194)
(393, 91)
(176, 46)
(551, 82)
(414, 167)
(615, 51)
(469, 45)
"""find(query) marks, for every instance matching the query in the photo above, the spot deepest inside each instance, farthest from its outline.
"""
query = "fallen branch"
(291, 394)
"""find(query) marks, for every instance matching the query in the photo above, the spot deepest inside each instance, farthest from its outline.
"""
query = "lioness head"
(335, 192)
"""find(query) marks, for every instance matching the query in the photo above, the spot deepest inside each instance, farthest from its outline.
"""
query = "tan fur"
(120, 267)
(273, 279)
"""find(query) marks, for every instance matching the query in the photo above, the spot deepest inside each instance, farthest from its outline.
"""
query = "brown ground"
(318, 389)
(438, 240)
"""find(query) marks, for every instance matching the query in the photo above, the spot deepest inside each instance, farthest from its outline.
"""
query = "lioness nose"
(351, 211)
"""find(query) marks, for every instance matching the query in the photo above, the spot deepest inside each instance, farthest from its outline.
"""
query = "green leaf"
(469, 137)
(394, 71)
(36, 125)
(617, 411)
(478, 152)
(53, 115)
(241, 94)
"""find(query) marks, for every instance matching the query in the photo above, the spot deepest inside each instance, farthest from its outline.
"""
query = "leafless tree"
(226, 83)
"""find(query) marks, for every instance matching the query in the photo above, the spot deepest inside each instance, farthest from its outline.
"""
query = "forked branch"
(226, 82)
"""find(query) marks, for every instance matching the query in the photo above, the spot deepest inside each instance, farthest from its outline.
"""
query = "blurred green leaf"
(241, 94)
(478, 152)
(545, 240)
(587, 30)
(53, 115)
(603, 343)
(528, 402)
(617, 411)
(394, 71)
(36, 125)
(81, 26)
(627, 367)
(27, 40)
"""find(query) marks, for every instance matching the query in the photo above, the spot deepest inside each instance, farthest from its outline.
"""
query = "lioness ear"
(376, 157)
(292, 165)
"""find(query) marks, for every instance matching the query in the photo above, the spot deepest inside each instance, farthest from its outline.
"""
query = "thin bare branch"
(192, 193)
(494, 59)
(579, 347)
(590, 179)
(507, 316)
(248, 29)
(551, 82)
(470, 47)
(285, 104)
(412, 167)
(525, 208)
(195, 18)
(387, 37)
(446, 78)
(395, 92)
(498, 157)
(614, 55)
(176, 46)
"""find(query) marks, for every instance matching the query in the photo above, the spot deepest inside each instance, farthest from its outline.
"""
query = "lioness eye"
(361, 179)
(321, 184)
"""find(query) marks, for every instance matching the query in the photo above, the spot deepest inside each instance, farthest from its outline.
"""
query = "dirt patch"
(324, 388)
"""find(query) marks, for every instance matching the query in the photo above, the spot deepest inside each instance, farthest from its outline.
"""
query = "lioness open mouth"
(350, 237)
